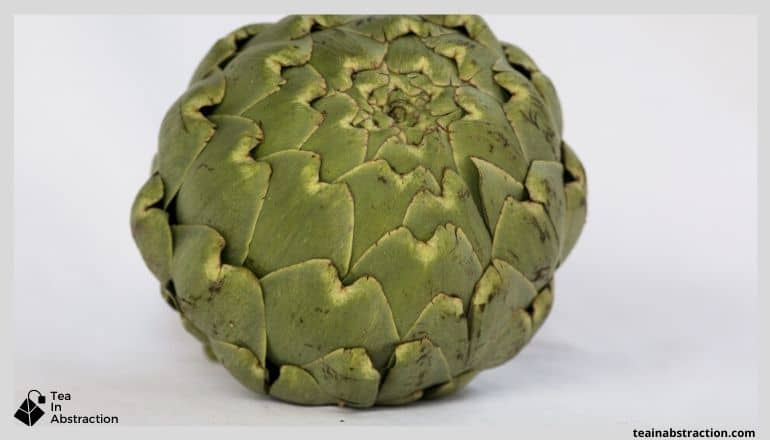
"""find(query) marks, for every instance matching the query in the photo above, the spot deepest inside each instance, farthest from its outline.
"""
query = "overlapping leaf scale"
(390, 27)
(416, 365)
(226, 47)
(541, 306)
(486, 134)
(529, 116)
(547, 91)
(474, 61)
(499, 322)
(522, 62)
(296, 385)
(443, 321)
(242, 364)
(256, 72)
(412, 271)
(338, 54)
(525, 238)
(454, 206)
(545, 185)
(575, 193)
(224, 302)
(310, 313)
(408, 54)
(150, 228)
(185, 131)
(289, 105)
(293, 27)
(341, 145)
(222, 176)
(302, 218)
(433, 153)
(345, 376)
(472, 25)
(381, 197)
(494, 186)
(519, 59)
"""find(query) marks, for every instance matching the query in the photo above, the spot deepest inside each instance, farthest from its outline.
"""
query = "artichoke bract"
(361, 210)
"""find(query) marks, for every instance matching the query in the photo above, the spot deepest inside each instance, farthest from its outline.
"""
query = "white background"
(654, 323)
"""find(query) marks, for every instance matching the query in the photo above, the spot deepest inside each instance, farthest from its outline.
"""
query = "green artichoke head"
(361, 210)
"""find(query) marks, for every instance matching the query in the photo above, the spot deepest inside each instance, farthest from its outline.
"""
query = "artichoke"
(361, 210)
